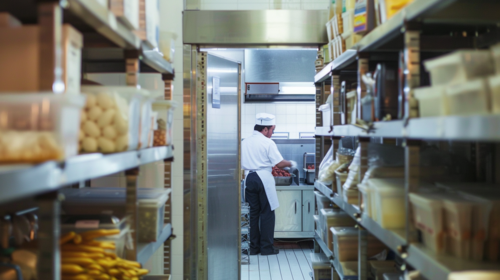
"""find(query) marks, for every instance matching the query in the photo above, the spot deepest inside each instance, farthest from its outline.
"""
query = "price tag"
(87, 224)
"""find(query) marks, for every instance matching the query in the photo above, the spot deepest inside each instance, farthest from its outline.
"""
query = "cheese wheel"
(106, 145)
(91, 101)
(94, 113)
(89, 145)
(106, 118)
(91, 129)
(122, 143)
(109, 132)
(81, 135)
(104, 101)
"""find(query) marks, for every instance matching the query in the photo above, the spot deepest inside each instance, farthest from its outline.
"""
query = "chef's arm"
(283, 164)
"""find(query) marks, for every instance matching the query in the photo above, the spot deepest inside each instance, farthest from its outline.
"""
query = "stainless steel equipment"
(283, 181)
(294, 217)
(309, 173)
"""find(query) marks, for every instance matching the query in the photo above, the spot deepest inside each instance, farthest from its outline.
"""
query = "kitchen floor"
(292, 263)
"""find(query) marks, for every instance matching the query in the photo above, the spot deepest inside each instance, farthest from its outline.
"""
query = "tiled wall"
(296, 152)
(290, 117)
(263, 4)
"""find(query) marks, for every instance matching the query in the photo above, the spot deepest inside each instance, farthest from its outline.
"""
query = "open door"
(215, 189)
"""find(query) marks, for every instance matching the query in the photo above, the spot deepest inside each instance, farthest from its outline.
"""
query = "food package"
(469, 98)
(163, 134)
(321, 266)
(322, 202)
(39, 127)
(378, 268)
(149, 22)
(388, 196)
(340, 176)
(333, 218)
(345, 244)
(20, 57)
(127, 11)
(110, 120)
(83, 256)
(350, 188)
(432, 101)
(388, 8)
(167, 45)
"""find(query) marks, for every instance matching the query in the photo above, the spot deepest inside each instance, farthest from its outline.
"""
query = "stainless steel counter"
(294, 187)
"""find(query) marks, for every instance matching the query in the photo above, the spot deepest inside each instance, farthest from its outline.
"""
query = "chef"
(258, 156)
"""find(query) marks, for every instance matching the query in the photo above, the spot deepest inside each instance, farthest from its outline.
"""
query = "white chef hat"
(265, 119)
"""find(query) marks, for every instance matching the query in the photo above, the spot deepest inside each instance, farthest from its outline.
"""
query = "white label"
(87, 224)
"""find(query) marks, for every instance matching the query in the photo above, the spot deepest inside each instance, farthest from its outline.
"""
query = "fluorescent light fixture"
(298, 90)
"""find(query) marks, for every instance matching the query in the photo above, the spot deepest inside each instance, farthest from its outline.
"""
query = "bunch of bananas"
(83, 258)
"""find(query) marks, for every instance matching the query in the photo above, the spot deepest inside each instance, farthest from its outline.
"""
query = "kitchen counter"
(294, 187)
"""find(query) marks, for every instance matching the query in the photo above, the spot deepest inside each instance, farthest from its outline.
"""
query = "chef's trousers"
(261, 238)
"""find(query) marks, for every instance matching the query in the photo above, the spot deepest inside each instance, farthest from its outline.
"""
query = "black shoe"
(274, 252)
(253, 253)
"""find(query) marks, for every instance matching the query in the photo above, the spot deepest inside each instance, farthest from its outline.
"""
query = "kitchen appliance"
(310, 173)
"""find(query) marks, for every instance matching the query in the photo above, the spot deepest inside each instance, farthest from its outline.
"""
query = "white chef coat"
(260, 154)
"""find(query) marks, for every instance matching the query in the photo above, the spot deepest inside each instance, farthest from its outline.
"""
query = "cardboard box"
(127, 11)
(149, 22)
(20, 56)
(7, 20)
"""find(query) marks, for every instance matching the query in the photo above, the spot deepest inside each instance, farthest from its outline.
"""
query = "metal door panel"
(308, 210)
(289, 213)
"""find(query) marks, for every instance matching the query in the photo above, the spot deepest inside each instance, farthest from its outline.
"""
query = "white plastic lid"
(319, 261)
(427, 199)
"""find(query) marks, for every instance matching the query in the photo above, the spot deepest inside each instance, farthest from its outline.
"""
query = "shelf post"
(132, 67)
(337, 105)
(412, 180)
(412, 71)
(49, 257)
(168, 79)
(131, 176)
(50, 18)
(362, 253)
(319, 123)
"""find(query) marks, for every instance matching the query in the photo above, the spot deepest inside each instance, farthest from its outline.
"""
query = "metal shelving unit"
(334, 262)
(49, 176)
(146, 250)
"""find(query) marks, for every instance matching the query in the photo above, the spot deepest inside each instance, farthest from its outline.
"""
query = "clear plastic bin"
(167, 45)
(350, 194)
(366, 203)
(494, 85)
(428, 218)
(389, 201)
(345, 244)
(460, 66)
(146, 127)
(322, 201)
(340, 179)
(333, 218)
(470, 98)
(378, 268)
(321, 266)
(83, 223)
(39, 127)
(112, 201)
(111, 119)
(432, 101)
(165, 109)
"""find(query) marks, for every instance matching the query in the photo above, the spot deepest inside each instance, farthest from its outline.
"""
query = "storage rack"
(425, 28)
(109, 46)
(245, 233)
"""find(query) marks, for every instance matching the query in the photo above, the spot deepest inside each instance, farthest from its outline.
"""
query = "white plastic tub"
(345, 244)
(322, 201)
(460, 66)
(321, 266)
(428, 218)
(389, 202)
(470, 98)
(432, 101)
(494, 85)
(147, 126)
(458, 225)
(327, 117)
(111, 119)
(365, 205)
(333, 218)
(39, 127)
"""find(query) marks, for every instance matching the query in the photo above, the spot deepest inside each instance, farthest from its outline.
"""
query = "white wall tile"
(254, 6)
(301, 109)
(259, 108)
(294, 135)
(291, 119)
(249, 119)
(280, 109)
(249, 109)
(291, 6)
(311, 119)
(291, 109)
(270, 109)
(314, 6)
(240, 2)
(232, 5)
(301, 119)
(311, 109)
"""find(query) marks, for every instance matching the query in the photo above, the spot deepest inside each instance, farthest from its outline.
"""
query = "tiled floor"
(292, 263)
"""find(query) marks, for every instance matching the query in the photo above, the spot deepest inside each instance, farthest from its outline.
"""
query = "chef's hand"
(294, 165)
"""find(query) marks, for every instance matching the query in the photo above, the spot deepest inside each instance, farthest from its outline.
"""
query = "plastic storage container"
(340, 178)
(85, 223)
(112, 201)
(39, 127)
(111, 119)
(476, 275)
(494, 85)
(165, 121)
(333, 218)
(345, 244)
(495, 51)
(432, 101)
(167, 45)
(326, 117)
(470, 98)
(428, 218)
(378, 268)
(365, 204)
(458, 224)
(146, 127)
(321, 266)
(322, 201)
(460, 66)
(389, 202)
